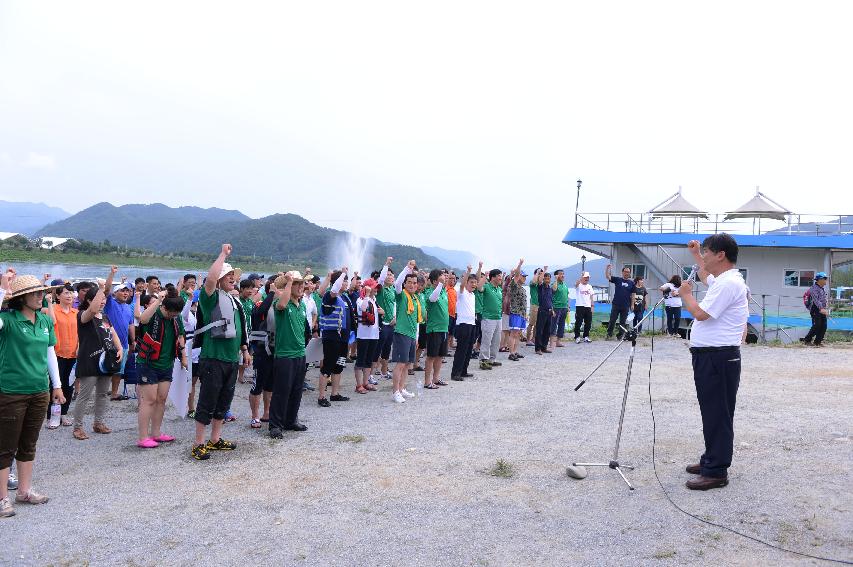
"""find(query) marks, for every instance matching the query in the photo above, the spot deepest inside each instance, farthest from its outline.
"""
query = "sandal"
(101, 428)
(431, 387)
(79, 434)
(370, 387)
(361, 390)
(256, 424)
(440, 383)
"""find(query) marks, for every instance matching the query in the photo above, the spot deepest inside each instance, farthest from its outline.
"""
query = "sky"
(463, 125)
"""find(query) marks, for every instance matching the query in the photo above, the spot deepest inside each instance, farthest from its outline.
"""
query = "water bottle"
(55, 411)
(419, 387)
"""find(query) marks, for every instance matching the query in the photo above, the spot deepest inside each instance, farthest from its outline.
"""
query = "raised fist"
(226, 250)
(693, 246)
(388, 260)
(113, 270)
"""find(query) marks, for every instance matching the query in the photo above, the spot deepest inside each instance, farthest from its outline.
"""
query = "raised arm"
(695, 250)
(339, 283)
(384, 273)
(517, 269)
(153, 305)
(608, 273)
(108, 284)
(89, 313)
(436, 293)
(283, 294)
(215, 269)
(401, 279)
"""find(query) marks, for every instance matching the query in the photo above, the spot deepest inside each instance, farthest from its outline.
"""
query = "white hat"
(585, 275)
(227, 269)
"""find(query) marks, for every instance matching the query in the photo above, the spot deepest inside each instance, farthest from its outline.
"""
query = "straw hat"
(227, 269)
(25, 284)
(295, 277)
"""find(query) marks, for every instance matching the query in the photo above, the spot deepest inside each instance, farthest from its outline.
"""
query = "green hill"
(279, 237)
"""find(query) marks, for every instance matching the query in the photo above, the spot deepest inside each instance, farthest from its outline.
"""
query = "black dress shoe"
(297, 427)
(694, 469)
(275, 433)
(706, 483)
(467, 375)
(339, 398)
(323, 402)
(457, 378)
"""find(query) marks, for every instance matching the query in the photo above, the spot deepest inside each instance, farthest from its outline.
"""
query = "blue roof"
(594, 236)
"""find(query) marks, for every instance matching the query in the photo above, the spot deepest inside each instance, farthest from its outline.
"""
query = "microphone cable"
(694, 516)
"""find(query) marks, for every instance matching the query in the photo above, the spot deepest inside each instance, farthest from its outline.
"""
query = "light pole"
(583, 263)
(577, 201)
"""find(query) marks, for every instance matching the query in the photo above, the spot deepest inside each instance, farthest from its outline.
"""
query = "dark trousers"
(716, 373)
(386, 339)
(620, 311)
(673, 320)
(478, 334)
(638, 315)
(558, 322)
(65, 366)
(818, 329)
(543, 329)
(465, 334)
(21, 418)
(288, 376)
(216, 391)
(583, 315)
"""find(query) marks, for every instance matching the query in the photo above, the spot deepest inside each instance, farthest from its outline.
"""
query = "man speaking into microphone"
(719, 322)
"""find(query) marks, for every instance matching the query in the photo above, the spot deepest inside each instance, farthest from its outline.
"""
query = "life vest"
(334, 321)
(222, 323)
(265, 335)
(152, 340)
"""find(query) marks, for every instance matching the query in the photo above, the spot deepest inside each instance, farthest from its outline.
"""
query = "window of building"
(637, 270)
(799, 278)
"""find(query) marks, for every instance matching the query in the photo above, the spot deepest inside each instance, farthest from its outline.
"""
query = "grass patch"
(351, 438)
(502, 468)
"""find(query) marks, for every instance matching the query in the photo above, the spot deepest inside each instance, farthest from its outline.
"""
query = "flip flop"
(440, 383)
(256, 424)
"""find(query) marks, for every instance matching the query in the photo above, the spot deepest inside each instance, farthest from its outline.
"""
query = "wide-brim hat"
(227, 269)
(25, 284)
(585, 275)
(295, 277)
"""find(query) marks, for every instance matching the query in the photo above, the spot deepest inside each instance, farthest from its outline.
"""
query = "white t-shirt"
(310, 308)
(727, 304)
(367, 331)
(583, 295)
(673, 300)
(465, 307)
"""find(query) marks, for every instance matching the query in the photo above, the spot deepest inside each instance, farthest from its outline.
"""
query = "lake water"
(77, 272)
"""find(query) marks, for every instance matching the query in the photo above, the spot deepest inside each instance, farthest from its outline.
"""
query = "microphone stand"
(630, 335)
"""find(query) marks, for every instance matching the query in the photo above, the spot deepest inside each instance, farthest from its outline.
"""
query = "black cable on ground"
(683, 511)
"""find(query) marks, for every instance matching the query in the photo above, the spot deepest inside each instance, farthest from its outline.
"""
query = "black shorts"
(368, 353)
(422, 336)
(263, 365)
(217, 380)
(334, 357)
(451, 326)
(386, 339)
(436, 344)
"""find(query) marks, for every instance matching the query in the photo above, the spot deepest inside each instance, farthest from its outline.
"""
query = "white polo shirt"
(465, 307)
(583, 295)
(727, 304)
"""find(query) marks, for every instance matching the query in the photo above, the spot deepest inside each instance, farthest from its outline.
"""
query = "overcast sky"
(456, 124)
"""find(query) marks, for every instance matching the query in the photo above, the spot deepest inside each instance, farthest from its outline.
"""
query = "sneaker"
(587, 340)
(221, 445)
(323, 403)
(389, 375)
(308, 387)
(147, 443)
(12, 483)
(485, 365)
(577, 340)
(407, 393)
(163, 438)
(475, 354)
(372, 381)
(512, 357)
(6, 508)
(275, 433)
(398, 398)
(338, 398)
(191, 414)
(31, 497)
(200, 452)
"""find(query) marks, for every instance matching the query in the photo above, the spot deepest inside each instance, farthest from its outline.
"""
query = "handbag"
(108, 362)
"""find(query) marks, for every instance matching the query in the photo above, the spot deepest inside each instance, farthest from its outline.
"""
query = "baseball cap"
(585, 275)
(820, 276)
(122, 286)
(57, 282)
(254, 277)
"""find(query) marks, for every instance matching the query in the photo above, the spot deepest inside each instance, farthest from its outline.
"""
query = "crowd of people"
(67, 347)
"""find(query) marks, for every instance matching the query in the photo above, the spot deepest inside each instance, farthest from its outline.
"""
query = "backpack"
(368, 316)
(807, 299)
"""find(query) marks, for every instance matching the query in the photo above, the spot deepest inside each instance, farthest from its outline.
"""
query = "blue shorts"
(517, 322)
(152, 376)
(404, 349)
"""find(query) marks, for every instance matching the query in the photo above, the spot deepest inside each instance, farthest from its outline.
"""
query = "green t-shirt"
(385, 299)
(561, 296)
(423, 299)
(23, 353)
(248, 307)
(290, 330)
(492, 302)
(185, 296)
(167, 347)
(534, 294)
(226, 350)
(318, 301)
(438, 317)
(407, 323)
(478, 302)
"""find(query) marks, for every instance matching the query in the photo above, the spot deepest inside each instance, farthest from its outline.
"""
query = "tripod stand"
(630, 335)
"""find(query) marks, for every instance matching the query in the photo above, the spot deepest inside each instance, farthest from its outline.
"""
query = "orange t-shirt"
(66, 332)
(451, 301)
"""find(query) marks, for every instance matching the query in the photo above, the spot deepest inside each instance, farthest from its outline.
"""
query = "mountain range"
(278, 238)
(28, 218)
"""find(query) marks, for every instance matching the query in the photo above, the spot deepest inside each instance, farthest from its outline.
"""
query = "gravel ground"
(417, 489)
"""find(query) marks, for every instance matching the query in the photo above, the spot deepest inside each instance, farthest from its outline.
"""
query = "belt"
(697, 350)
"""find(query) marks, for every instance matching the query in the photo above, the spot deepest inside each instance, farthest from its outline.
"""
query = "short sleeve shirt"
(290, 330)
(166, 360)
(623, 291)
(23, 353)
(492, 302)
(438, 317)
(407, 323)
(225, 350)
(561, 296)
(121, 317)
(728, 305)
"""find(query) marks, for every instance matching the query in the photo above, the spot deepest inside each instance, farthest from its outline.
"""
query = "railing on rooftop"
(797, 224)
